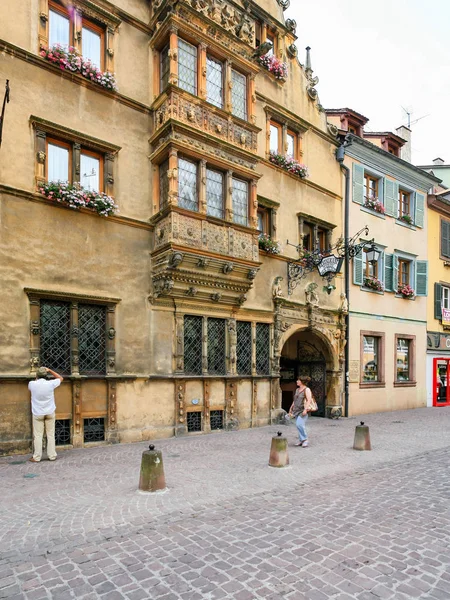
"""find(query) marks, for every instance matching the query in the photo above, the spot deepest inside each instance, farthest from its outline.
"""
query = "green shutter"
(438, 301)
(388, 273)
(390, 198)
(394, 273)
(421, 278)
(420, 206)
(358, 183)
(445, 239)
(358, 269)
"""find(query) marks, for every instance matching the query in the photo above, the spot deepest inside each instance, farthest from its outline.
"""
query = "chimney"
(405, 151)
(438, 161)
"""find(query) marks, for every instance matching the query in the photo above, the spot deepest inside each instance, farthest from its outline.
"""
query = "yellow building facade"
(145, 215)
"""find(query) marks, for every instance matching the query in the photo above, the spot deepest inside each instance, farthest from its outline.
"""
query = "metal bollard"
(152, 471)
(278, 451)
(362, 437)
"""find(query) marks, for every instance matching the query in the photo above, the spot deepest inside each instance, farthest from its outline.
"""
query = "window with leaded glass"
(187, 184)
(263, 348)
(216, 346)
(163, 184)
(214, 81)
(193, 345)
(92, 339)
(239, 94)
(214, 193)
(55, 336)
(240, 201)
(244, 348)
(164, 67)
(187, 67)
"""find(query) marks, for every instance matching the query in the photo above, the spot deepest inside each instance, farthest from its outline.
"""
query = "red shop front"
(441, 378)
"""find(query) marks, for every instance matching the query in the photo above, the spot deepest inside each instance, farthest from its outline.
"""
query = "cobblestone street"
(335, 524)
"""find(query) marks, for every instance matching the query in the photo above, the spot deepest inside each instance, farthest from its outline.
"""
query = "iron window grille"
(239, 94)
(92, 339)
(55, 335)
(216, 346)
(214, 82)
(244, 348)
(163, 184)
(94, 429)
(214, 193)
(216, 419)
(187, 67)
(194, 421)
(263, 348)
(187, 184)
(62, 432)
(240, 201)
(193, 345)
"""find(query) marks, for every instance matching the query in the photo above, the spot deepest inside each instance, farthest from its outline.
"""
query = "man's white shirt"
(42, 396)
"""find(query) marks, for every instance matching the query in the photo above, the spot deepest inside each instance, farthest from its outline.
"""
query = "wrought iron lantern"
(372, 253)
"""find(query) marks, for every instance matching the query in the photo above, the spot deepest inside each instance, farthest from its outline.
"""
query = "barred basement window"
(216, 346)
(91, 339)
(193, 345)
(244, 348)
(62, 432)
(216, 419)
(194, 421)
(263, 348)
(94, 430)
(55, 336)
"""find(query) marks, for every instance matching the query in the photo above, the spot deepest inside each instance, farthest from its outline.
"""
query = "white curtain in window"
(59, 29)
(89, 172)
(91, 42)
(58, 163)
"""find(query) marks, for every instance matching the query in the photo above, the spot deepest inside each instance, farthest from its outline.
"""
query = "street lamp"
(372, 253)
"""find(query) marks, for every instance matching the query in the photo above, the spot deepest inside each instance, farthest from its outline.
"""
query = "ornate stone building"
(180, 311)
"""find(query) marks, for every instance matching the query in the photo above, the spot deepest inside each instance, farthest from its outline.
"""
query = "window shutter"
(358, 183)
(421, 278)
(445, 238)
(438, 301)
(358, 269)
(388, 273)
(394, 273)
(420, 204)
(390, 199)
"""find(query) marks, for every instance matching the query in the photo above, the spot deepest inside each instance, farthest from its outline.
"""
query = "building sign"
(353, 371)
(329, 264)
(445, 316)
(438, 341)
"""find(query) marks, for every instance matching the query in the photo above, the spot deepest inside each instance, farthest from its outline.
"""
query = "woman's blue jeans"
(301, 427)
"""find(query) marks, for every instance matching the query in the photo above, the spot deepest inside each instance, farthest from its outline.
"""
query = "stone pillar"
(179, 344)
(268, 117)
(202, 92)
(78, 430)
(152, 477)
(109, 58)
(254, 415)
(77, 31)
(202, 198)
(279, 452)
(173, 56)
(206, 406)
(284, 143)
(111, 340)
(108, 184)
(333, 408)
(229, 196)
(253, 208)
(232, 343)
(76, 162)
(74, 339)
(35, 334)
(172, 176)
(205, 346)
(251, 99)
(180, 408)
(228, 86)
(43, 23)
(111, 433)
(253, 348)
(41, 157)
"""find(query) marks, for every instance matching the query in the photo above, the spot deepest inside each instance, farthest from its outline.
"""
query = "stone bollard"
(152, 471)
(362, 437)
(278, 451)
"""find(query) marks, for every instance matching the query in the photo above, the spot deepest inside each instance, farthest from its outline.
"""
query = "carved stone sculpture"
(312, 299)
(277, 292)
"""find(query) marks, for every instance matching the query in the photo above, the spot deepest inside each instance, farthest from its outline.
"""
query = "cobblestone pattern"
(366, 531)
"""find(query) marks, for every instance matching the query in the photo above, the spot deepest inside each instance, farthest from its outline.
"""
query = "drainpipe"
(340, 155)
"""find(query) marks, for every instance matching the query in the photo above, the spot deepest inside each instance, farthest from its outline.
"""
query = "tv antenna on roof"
(409, 112)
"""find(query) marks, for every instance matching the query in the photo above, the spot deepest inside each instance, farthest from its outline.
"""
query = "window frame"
(368, 177)
(97, 29)
(279, 129)
(294, 136)
(381, 337)
(62, 10)
(408, 264)
(212, 58)
(57, 142)
(443, 289)
(402, 195)
(213, 169)
(236, 177)
(411, 382)
(101, 159)
(197, 181)
(246, 99)
(196, 71)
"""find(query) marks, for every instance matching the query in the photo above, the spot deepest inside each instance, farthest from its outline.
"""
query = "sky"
(377, 56)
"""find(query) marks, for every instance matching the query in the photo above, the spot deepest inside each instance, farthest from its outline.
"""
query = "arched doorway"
(304, 354)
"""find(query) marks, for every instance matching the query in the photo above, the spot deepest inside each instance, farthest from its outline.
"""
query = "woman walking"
(298, 409)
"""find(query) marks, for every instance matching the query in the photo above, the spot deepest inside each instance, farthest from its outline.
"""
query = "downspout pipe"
(340, 155)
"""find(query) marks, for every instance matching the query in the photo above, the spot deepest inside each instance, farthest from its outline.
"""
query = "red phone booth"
(441, 391)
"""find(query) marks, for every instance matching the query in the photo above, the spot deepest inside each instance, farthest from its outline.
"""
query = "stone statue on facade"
(312, 299)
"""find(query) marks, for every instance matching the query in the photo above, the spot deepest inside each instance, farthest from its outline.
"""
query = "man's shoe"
(299, 444)
(34, 459)
(305, 444)
(52, 459)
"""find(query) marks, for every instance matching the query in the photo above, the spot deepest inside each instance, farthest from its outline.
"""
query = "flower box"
(374, 204)
(69, 59)
(406, 219)
(406, 291)
(289, 164)
(374, 284)
(274, 65)
(267, 244)
(76, 197)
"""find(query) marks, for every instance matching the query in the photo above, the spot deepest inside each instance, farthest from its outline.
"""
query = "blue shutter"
(420, 206)
(438, 301)
(358, 183)
(421, 278)
(358, 269)
(394, 273)
(390, 199)
(445, 239)
(388, 272)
